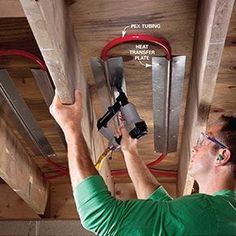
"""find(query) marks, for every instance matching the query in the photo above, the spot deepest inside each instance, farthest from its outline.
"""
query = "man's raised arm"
(144, 182)
(69, 118)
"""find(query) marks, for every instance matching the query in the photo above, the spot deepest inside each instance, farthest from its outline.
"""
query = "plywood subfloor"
(95, 24)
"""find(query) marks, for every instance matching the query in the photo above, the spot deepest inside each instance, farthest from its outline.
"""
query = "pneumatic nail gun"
(134, 124)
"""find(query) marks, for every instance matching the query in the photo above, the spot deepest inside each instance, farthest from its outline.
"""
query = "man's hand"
(68, 116)
(128, 144)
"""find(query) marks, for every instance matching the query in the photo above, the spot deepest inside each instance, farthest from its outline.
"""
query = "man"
(212, 212)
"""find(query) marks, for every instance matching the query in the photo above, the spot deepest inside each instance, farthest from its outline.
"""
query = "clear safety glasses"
(203, 138)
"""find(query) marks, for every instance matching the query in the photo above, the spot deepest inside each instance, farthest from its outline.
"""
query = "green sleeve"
(160, 194)
(104, 215)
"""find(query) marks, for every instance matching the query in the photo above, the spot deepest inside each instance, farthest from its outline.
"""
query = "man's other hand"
(127, 144)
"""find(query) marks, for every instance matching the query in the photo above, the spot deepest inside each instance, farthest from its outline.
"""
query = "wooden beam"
(14, 207)
(49, 23)
(20, 172)
(53, 32)
(62, 202)
(11, 8)
(211, 30)
(42, 227)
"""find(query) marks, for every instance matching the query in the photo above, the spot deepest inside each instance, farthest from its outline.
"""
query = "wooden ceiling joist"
(211, 30)
(20, 172)
(11, 8)
(53, 32)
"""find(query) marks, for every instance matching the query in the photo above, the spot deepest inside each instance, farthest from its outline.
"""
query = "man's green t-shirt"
(197, 214)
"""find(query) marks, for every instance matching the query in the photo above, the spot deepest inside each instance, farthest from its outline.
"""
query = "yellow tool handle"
(102, 157)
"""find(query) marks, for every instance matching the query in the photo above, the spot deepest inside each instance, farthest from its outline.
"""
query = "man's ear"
(223, 157)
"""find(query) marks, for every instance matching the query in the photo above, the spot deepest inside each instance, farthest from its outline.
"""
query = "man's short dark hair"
(227, 135)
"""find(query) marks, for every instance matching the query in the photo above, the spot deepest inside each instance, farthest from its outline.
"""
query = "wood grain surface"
(95, 23)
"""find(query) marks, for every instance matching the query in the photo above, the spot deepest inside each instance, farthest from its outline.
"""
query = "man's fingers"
(78, 96)
(56, 102)
(117, 133)
(135, 141)
(124, 131)
(122, 123)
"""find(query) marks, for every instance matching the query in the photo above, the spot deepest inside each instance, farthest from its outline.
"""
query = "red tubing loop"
(160, 173)
(58, 169)
(137, 38)
(167, 48)
(16, 52)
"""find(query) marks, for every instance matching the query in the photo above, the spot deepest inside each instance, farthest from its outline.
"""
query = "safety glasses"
(204, 137)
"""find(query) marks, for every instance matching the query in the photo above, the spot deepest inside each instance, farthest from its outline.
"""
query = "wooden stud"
(20, 172)
(14, 207)
(49, 24)
(211, 30)
(62, 202)
(11, 8)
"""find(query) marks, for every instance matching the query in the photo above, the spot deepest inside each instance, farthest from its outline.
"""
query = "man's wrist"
(130, 153)
(72, 133)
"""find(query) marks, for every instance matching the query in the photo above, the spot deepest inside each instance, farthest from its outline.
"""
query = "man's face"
(203, 157)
